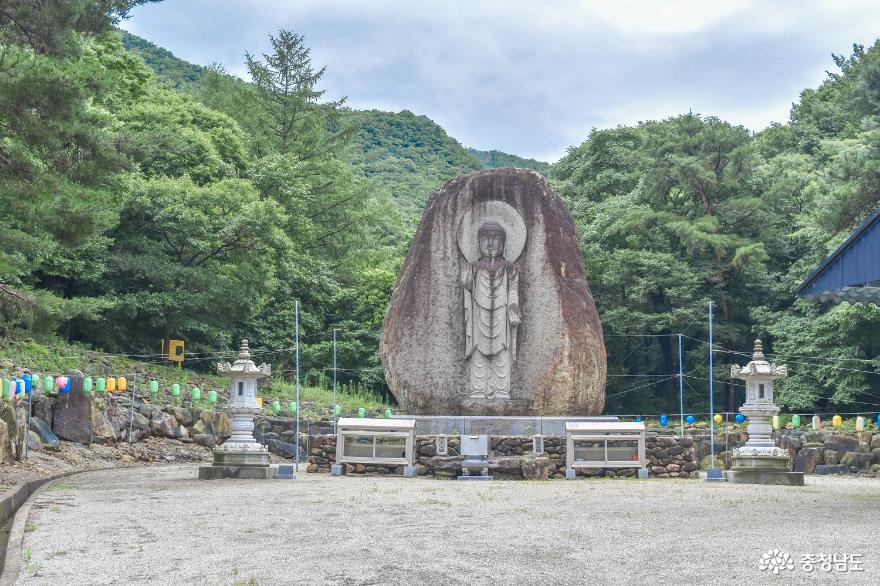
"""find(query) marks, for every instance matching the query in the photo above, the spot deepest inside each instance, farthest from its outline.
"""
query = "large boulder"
(163, 424)
(44, 434)
(807, 459)
(552, 362)
(72, 415)
(841, 443)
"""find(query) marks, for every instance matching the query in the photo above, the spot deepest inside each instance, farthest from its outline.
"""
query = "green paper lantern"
(362, 412)
(87, 385)
(175, 390)
(276, 407)
(338, 410)
(154, 387)
(196, 394)
(7, 389)
(212, 397)
(48, 383)
(388, 413)
(796, 420)
(101, 386)
(292, 407)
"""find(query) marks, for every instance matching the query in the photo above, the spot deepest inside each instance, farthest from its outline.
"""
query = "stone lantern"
(241, 456)
(760, 461)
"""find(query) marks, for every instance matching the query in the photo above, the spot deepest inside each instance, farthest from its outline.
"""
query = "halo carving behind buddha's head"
(491, 212)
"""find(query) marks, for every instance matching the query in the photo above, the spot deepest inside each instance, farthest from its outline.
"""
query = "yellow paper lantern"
(775, 422)
(121, 384)
(836, 420)
(718, 418)
(111, 384)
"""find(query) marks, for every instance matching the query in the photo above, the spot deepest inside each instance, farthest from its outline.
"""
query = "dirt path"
(163, 526)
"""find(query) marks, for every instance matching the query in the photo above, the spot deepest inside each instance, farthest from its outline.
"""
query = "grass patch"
(30, 528)
(57, 356)
(61, 487)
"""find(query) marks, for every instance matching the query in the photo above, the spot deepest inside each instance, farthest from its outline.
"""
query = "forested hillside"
(678, 212)
(142, 197)
(496, 159)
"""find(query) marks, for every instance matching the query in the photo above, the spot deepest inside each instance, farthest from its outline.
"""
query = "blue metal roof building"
(852, 272)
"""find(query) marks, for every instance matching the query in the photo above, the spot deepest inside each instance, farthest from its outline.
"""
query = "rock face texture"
(492, 314)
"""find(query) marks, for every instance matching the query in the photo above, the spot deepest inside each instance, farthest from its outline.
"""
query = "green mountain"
(406, 154)
(178, 72)
(496, 159)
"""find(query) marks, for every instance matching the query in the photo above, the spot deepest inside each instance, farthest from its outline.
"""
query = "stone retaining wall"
(512, 458)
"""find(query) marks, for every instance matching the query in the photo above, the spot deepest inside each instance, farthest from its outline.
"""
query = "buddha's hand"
(513, 314)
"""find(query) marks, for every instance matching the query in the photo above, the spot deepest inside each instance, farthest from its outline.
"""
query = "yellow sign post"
(176, 352)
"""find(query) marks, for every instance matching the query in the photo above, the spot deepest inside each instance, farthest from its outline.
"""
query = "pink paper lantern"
(61, 382)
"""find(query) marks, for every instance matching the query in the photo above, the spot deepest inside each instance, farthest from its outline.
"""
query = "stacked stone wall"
(512, 458)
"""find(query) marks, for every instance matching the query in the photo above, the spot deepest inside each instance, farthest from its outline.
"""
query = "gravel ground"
(161, 525)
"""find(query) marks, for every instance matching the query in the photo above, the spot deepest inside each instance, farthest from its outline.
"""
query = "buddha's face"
(491, 243)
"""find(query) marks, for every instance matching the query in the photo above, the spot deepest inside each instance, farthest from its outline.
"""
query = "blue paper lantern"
(878, 420)
(740, 418)
(28, 384)
(689, 419)
(664, 420)
(19, 385)
(66, 388)
(638, 418)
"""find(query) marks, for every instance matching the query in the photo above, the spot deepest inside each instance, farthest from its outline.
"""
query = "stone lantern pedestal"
(760, 461)
(241, 456)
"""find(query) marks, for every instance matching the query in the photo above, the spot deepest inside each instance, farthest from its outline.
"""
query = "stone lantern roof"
(244, 366)
(758, 368)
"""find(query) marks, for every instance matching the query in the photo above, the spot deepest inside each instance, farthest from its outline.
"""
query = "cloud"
(532, 77)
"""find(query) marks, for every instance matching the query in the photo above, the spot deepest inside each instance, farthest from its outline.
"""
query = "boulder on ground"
(74, 414)
(163, 424)
(44, 433)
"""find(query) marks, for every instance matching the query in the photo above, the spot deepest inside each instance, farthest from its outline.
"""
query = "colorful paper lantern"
(836, 421)
(689, 419)
(60, 382)
(362, 412)
(276, 407)
(740, 418)
(774, 421)
(88, 384)
(101, 385)
(121, 384)
(175, 390)
(66, 388)
(212, 397)
(291, 407)
(718, 419)
(878, 420)
(28, 384)
(154, 387)
(664, 420)
(817, 423)
(47, 384)
(338, 411)
(7, 389)
(111, 384)
(796, 420)
(196, 394)
(388, 414)
(19, 385)
(860, 423)
(638, 418)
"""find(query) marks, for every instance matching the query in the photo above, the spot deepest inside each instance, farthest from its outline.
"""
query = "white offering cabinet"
(605, 444)
(376, 441)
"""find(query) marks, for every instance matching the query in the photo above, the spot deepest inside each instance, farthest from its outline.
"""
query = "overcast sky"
(533, 77)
